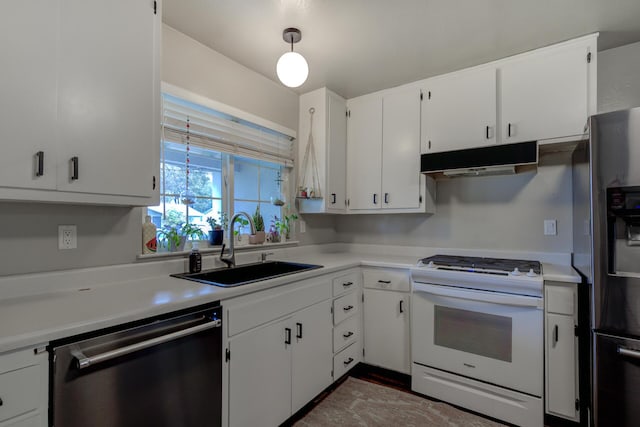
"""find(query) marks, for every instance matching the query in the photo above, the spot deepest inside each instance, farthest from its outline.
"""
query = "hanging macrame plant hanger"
(309, 190)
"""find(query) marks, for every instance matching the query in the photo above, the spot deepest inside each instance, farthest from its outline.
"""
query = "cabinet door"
(28, 45)
(545, 95)
(260, 376)
(312, 353)
(106, 96)
(401, 149)
(336, 154)
(459, 111)
(364, 152)
(386, 329)
(561, 366)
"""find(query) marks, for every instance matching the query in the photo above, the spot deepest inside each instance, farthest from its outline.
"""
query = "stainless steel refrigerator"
(607, 252)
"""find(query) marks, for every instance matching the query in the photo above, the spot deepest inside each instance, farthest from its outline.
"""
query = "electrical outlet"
(67, 237)
(550, 227)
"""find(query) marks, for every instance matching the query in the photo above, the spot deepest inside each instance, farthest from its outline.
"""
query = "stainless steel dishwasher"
(163, 372)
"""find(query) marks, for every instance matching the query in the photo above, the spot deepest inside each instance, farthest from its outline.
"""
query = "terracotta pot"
(258, 238)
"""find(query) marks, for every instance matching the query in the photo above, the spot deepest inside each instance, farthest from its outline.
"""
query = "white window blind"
(221, 132)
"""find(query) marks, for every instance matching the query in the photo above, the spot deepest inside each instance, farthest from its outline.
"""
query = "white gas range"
(477, 335)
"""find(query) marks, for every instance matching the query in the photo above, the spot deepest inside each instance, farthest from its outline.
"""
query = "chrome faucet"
(231, 259)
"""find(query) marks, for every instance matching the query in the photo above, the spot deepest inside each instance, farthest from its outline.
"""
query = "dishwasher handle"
(83, 361)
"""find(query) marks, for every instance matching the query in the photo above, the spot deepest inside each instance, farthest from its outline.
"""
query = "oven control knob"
(515, 272)
(431, 265)
(531, 273)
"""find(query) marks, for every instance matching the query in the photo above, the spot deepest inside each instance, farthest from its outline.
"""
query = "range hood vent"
(493, 160)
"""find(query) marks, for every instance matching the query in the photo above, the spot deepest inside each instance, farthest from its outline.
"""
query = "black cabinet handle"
(333, 198)
(298, 330)
(386, 197)
(509, 130)
(555, 334)
(375, 199)
(384, 281)
(1, 402)
(401, 307)
(40, 164)
(348, 334)
(74, 168)
(347, 284)
(287, 335)
(348, 361)
(348, 308)
(487, 132)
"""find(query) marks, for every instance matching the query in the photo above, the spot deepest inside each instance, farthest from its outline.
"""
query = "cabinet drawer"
(272, 304)
(19, 391)
(345, 306)
(395, 280)
(346, 333)
(345, 283)
(560, 299)
(345, 360)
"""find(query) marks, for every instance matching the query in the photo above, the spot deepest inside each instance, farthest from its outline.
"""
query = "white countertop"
(38, 308)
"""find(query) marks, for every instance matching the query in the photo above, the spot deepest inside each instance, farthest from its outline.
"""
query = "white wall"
(193, 66)
(496, 212)
(619, 78)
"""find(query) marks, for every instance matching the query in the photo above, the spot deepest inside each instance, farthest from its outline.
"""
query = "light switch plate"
(550, 227)
(67, 237)
(303, 226)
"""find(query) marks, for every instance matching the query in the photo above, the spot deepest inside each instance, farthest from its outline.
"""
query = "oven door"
(488, 336)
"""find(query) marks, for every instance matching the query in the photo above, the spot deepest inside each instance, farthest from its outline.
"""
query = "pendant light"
(292, 68)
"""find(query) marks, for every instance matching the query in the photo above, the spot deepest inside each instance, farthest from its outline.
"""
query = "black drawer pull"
(509, 130)
(386, 198)
(347, 284)
(1, 402)
(555, 334)
(386, 282)
(401, 308)
(333, 198)
(348, 308)
(487, 132)
(375, 199)
(348, 334)
(348, 361)
(287, 335)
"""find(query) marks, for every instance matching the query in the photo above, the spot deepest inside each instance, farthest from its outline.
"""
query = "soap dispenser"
(195, 259)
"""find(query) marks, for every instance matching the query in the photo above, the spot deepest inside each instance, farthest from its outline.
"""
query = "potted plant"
(284, 225)
(258, 222)
(242, 223)
(175, 236)
(274, 233)
(216, 234)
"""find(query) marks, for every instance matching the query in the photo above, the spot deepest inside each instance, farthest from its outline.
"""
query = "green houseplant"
(175, 236)
(283, 226)
(258, 221)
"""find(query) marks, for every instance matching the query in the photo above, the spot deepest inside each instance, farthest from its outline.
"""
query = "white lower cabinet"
(386, 319)
(561, 350)
(24, 388)
(279, 351)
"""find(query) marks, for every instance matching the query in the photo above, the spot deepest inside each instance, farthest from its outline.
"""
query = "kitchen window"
(212, 163)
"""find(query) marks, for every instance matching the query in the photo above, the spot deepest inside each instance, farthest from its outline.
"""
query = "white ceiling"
(359, 46)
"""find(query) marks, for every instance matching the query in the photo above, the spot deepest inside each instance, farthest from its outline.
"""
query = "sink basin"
(249, 273)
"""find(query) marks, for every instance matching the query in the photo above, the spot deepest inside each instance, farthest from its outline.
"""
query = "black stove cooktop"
(472, 263)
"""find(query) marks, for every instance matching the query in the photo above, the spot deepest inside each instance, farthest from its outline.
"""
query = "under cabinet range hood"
(494, 160)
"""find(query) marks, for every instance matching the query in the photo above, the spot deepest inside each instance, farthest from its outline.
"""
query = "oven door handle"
(473, 295)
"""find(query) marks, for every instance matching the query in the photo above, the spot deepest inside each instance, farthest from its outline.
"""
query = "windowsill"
(214, 249)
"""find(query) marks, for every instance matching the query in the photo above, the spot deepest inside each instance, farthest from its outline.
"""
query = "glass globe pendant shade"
(292, 69)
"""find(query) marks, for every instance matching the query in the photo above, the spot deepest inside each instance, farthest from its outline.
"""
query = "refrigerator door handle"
(628, 352)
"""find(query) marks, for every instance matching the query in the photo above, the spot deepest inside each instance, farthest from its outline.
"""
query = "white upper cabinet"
(80, 101)
(364, 152)
(546, 94)
(28, 33)
(106, 96)
(459, 110)
(383, 154)
(401, 149)
(330, 141)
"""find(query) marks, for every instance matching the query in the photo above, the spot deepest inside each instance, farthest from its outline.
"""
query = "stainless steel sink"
(248, 273)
